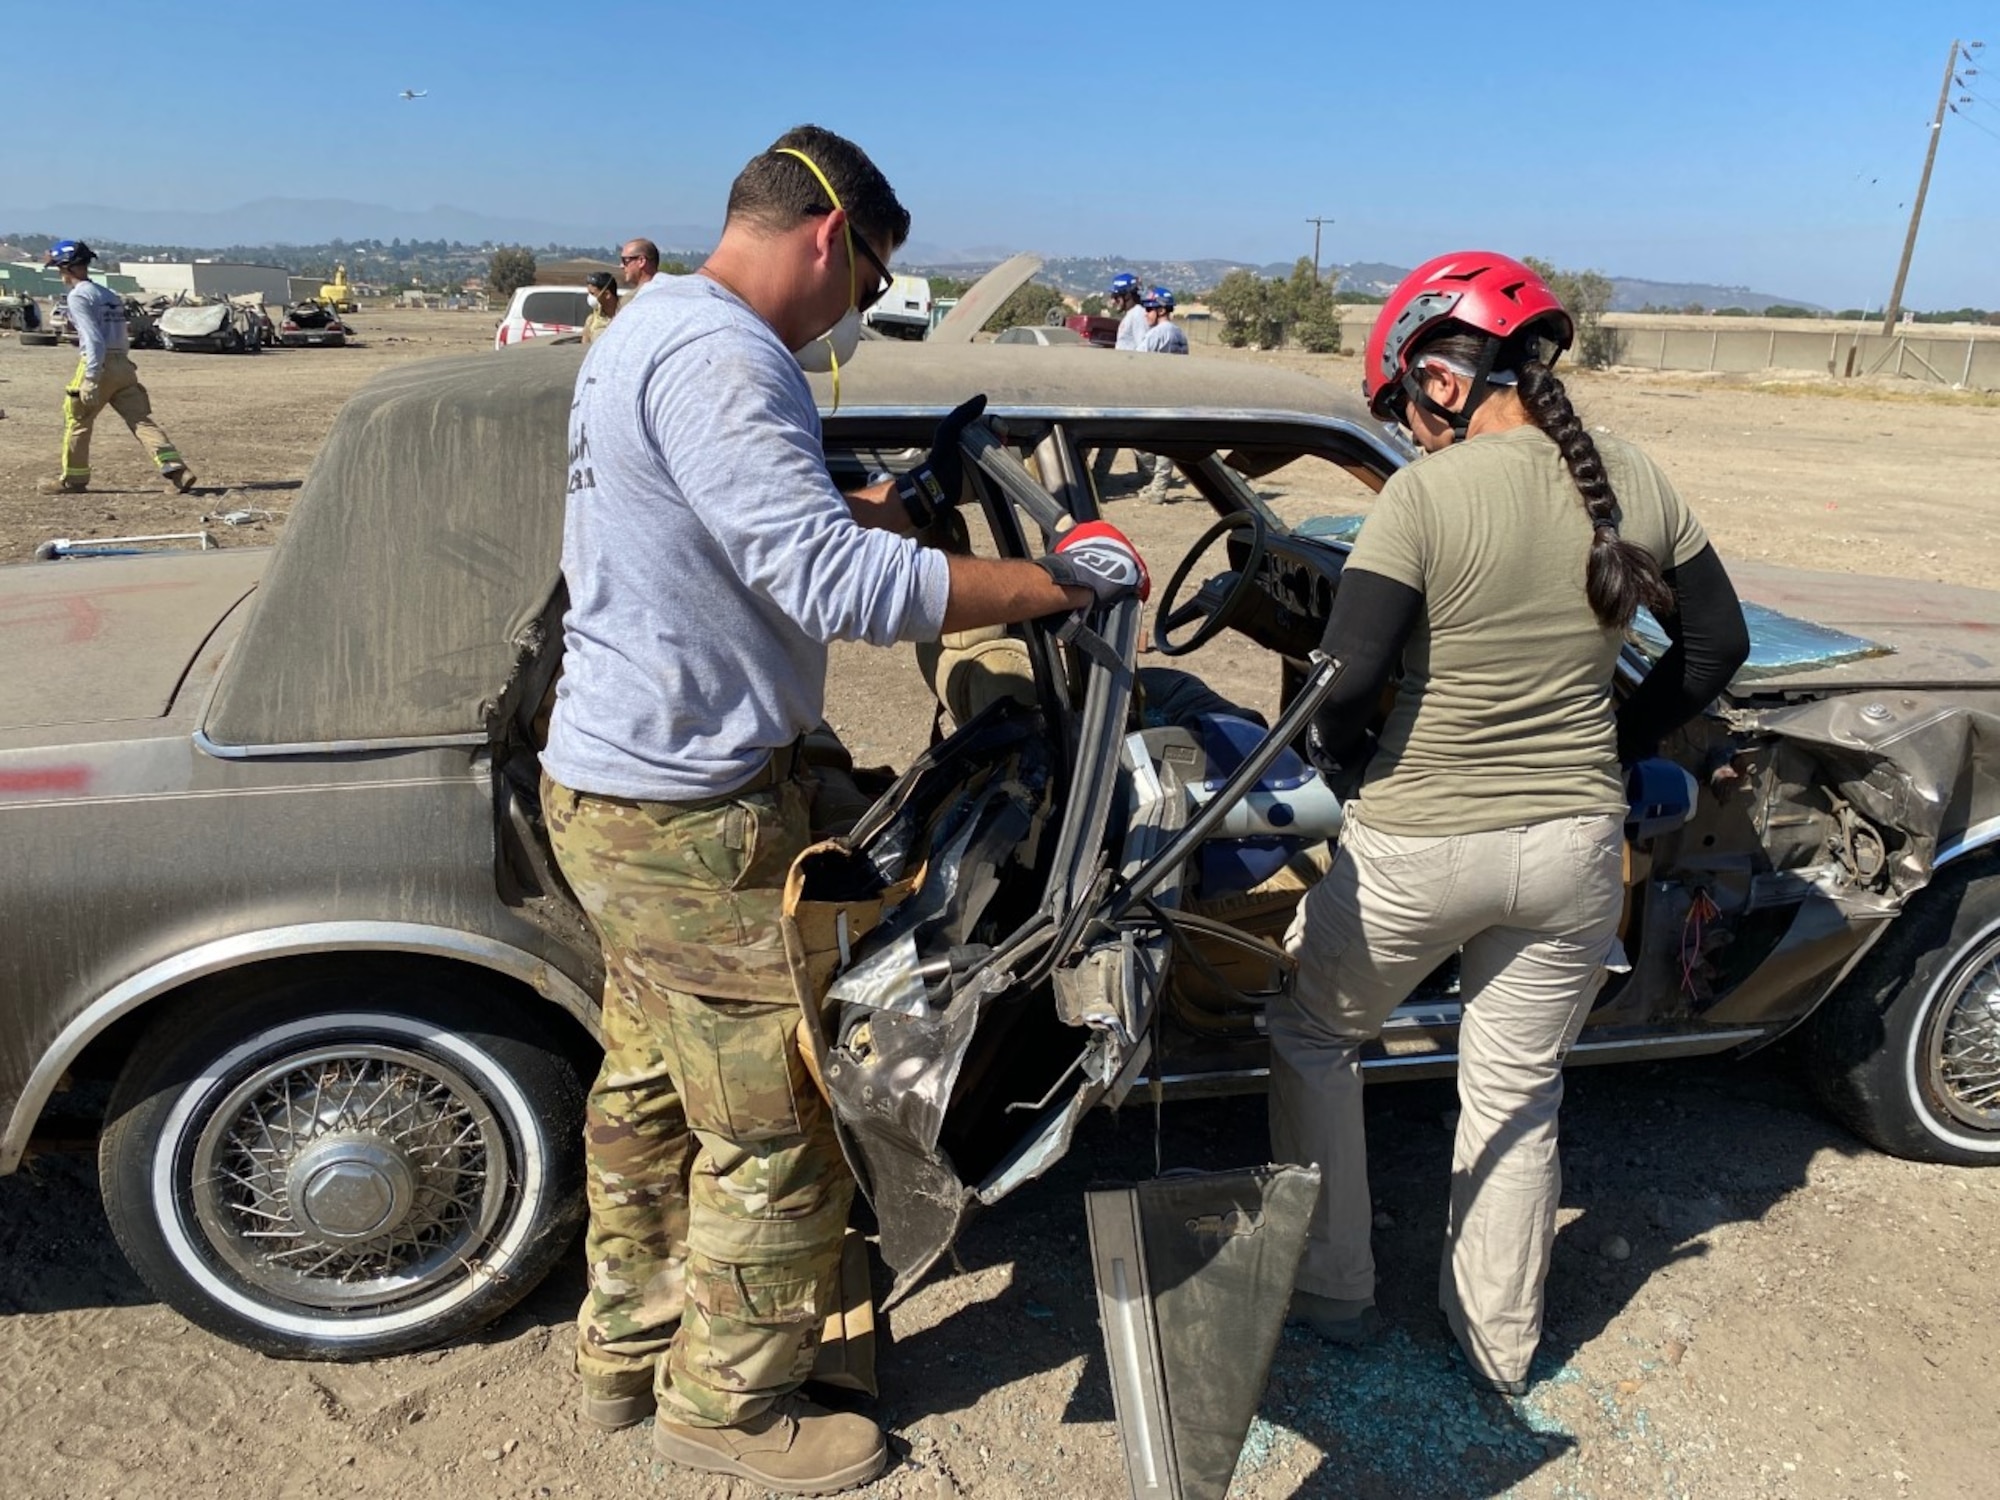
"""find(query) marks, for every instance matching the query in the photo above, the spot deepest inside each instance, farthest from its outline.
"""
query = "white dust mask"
(833, 348)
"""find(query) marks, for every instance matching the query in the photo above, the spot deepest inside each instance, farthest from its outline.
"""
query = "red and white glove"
(1099, 557)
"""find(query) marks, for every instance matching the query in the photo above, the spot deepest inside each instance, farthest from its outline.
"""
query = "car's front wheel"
(345, 1166)
(1907, 1051)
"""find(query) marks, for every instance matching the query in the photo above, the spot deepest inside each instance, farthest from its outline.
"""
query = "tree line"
(514, 266)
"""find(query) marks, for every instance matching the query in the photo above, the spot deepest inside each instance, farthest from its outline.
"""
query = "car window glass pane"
(569, 308)
(1311, 492)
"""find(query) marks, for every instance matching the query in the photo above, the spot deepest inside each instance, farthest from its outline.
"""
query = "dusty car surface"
(219, 327)
(309, 325)
(279, 875)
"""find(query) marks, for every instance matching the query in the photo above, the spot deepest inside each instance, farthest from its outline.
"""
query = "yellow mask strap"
(853, 266)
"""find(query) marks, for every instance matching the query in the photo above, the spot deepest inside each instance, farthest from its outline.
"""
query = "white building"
(210, 278)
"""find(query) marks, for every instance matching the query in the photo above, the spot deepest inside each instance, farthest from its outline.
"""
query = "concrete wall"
(1951, 354)
(1937, 355)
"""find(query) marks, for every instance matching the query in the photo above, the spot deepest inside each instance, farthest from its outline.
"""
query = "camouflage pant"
(118, 388)
(718, 1194)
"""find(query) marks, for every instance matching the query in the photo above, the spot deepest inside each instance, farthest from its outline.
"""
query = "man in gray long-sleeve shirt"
(104, 377)
(710, 560)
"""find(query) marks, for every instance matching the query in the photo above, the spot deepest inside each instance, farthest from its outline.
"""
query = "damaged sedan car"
(280, 887)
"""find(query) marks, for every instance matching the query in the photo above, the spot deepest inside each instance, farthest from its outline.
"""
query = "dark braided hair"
(1620, 575)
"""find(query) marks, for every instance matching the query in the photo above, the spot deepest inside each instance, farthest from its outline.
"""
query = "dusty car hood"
(194, 322)
(1937, 633)
(111, 638)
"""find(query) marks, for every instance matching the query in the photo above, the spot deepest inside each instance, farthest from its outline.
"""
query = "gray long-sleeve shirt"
(1132, 329)
(709, 557)
(98, 315)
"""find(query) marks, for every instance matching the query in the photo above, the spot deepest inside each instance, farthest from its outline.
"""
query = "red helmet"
(1486, 291)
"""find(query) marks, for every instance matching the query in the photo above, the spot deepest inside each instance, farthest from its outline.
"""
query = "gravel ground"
(1745, 1302)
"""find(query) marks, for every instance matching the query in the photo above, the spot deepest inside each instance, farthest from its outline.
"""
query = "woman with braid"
(1500, 570)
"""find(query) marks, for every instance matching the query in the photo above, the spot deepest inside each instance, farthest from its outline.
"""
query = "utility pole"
(1895, 308)
(1316, 223)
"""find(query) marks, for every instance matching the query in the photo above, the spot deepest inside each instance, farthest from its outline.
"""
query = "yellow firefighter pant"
(118, 387)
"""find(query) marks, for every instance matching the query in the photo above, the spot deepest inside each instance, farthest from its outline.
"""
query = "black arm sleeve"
(1371, 621)
(1710, 641)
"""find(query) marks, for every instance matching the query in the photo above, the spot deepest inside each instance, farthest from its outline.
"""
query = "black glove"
(1099, 557)
(1338, 754)
(935, 484)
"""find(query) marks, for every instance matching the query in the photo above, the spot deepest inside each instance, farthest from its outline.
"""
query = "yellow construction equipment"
(337, 292)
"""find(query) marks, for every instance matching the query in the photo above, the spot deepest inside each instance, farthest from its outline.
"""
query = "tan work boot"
(616, 1401)
(61, 486)
(795, 1448)
(177, 479)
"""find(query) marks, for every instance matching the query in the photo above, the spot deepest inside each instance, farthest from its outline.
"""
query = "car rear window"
(569, 308)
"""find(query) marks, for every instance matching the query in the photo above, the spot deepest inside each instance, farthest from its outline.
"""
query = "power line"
(1988, 129)
(1969, 89)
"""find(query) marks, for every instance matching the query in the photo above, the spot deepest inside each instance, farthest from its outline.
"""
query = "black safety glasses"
(864, 300)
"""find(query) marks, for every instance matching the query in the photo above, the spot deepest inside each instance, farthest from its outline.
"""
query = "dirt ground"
(1745, 1301)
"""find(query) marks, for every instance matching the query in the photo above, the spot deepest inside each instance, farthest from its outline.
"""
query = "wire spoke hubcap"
(1964, 1042)
(350, 1177)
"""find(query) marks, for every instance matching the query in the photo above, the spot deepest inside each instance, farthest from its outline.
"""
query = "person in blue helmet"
(1162, 336)
(1125, 293)
(1123, 296)
(104, 377)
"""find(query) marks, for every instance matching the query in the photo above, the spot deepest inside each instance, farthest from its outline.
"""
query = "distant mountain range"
(1081, 275)
(275, 223)
(315, 221)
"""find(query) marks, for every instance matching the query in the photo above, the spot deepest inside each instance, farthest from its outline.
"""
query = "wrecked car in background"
(217, 327)
(280, 879)
(309, 325)
(141, 324)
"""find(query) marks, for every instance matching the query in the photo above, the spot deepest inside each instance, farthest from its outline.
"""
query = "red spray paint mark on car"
(44, 779)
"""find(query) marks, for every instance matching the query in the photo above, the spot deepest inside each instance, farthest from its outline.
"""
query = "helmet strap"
(1479, 388)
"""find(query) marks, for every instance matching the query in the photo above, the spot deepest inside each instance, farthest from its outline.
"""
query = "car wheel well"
(1866, 1045)
(105, 1055)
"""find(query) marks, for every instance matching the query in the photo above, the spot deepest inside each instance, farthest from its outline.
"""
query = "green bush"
(512, 267)
(1587, 296)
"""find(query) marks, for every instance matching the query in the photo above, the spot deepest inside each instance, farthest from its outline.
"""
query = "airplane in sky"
(414, 94)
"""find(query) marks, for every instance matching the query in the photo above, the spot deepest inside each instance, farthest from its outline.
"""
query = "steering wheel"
(1221, 598)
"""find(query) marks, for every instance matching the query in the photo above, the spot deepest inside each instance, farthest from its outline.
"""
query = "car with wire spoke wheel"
(281, 894)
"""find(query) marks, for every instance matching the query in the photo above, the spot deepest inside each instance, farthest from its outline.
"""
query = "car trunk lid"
(111, 638)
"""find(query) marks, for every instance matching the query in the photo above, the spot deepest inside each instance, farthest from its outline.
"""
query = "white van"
(905, 309)
(539, 312)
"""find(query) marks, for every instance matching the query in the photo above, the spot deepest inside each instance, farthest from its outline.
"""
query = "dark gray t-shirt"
(709, 557)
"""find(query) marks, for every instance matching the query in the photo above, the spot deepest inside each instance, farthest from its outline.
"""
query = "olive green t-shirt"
(1504, 714)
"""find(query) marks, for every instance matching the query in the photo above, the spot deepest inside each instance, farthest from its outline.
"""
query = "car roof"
(423, 551)
(1076, 380)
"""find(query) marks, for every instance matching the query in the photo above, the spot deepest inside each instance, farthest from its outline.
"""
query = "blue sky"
(1774, 145)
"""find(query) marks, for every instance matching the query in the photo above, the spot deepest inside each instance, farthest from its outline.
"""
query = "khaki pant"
(118, 387)
(1533, 912)
(718, 1194)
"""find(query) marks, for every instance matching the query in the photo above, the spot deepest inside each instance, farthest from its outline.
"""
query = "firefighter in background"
(105, 376)
(1163, 336)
